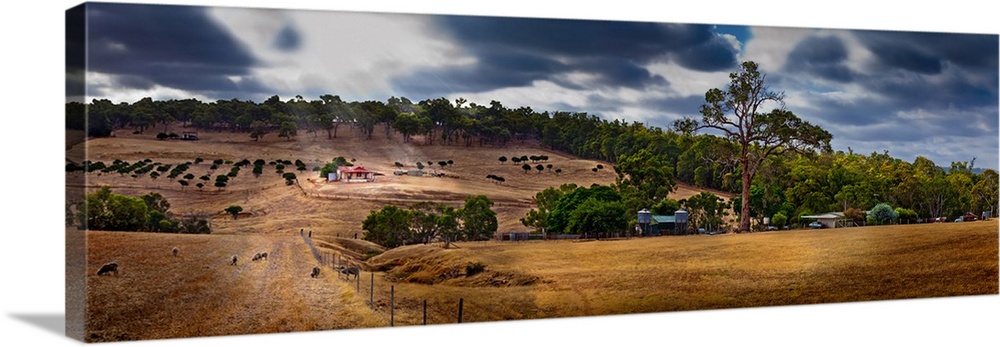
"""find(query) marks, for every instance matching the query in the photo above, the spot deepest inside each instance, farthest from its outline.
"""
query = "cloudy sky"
(911, 93)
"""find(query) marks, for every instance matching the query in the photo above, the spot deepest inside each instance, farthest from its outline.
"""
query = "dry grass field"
(539, 279)
(198, 293)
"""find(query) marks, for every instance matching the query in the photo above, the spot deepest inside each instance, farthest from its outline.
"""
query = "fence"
(377, 301)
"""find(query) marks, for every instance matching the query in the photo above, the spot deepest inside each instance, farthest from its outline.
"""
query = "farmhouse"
(355, 174)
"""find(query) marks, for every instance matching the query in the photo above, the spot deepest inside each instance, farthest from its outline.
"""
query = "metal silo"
(680, 222)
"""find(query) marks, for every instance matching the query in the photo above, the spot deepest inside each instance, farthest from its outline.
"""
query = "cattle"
(108, 269)
(315, 272)
(353, 270)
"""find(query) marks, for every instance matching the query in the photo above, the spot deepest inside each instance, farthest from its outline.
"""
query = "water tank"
(645, 216)
(681, 217)
(767, 220)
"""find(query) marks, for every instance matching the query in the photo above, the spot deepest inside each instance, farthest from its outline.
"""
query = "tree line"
(777, 162)
(106, 210)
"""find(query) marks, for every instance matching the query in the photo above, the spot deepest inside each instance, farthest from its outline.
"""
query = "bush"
(882, 214)
(471, 269)
(779, 220)
(905, 214)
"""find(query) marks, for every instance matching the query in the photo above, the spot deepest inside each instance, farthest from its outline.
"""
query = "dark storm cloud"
(822, 57)
(920, 86)
(514, 52)
(173, 46)
(288, 39)
(927, 53)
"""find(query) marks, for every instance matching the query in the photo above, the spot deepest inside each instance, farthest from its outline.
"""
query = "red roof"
(359, 169)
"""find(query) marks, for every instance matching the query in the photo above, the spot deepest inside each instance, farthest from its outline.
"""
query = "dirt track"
(156, 295)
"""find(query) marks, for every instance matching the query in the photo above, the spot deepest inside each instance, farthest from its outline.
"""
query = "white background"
(32, 289)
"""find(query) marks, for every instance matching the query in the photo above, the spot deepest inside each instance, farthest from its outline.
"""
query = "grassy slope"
(707, 272)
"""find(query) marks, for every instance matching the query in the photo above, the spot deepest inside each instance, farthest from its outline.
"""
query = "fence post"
(357, 278)
(392, 306)
(460, 310)
(425, 311)
(371, 294)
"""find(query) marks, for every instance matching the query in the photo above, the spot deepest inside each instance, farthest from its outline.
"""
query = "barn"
(355, 174)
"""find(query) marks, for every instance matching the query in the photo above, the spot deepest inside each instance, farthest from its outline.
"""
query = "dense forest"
(648, 159)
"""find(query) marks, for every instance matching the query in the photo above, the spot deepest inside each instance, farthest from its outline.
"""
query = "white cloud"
(351, 54)
(106, 86)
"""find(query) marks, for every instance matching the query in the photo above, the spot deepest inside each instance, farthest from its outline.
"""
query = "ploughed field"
(156, 295)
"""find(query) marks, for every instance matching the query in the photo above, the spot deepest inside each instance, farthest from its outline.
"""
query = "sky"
(912, 94)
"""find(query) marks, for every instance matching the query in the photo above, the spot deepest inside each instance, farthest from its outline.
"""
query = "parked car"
(816, 225)
(771, 227)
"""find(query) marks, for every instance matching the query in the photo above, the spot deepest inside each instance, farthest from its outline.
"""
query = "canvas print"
(239, 171)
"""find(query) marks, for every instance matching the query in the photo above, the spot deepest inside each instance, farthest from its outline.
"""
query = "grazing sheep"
(175, 251)
(233, 262)
(354, 270)
(256, 257)
(108, 268)
(315, 272)
(263, 255)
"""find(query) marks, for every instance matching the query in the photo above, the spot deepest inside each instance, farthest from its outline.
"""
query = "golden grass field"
(198, 293)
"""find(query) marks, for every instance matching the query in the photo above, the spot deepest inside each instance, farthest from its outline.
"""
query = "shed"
(829, 220)
(661, 225)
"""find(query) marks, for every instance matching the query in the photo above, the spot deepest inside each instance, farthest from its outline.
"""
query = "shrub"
(882, 214)
(779, 219)
(473, 268)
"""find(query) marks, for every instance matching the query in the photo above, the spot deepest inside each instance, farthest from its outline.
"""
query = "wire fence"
(402, 310)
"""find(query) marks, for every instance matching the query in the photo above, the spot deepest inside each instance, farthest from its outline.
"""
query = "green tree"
(758, 134)
(479, 222)
(104, 210)
(502, 159)
(644, 178)
(779, 220)
(288, 130)
(545, 201)
(258, 129)
(882, 214)
(389, 227)
(597, 216)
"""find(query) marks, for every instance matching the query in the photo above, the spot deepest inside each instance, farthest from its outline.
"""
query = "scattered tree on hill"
(540, 168)
(420, 166)
(526, 168)
(258, 129)
(288, 130)
(183, 184)
(759, 135)
(502, 159)
(289, 178)
(234, 210)
(558, 171)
